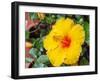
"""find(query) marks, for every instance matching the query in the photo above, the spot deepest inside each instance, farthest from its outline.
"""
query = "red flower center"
(66, 42)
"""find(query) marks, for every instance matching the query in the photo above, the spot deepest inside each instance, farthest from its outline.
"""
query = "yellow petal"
(73, 54)
(63, 25)
(77, 34)
(49, 42)
(56, 56)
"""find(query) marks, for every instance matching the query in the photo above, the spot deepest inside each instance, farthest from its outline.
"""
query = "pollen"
(65, 42)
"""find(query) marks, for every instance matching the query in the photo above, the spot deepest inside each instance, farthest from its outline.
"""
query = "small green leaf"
(33, 41)
(86, 28)
(84, 61)
(33, 16)
(81, 21)
(39, 43)
(26, 35)
(43, 32)
(41, 49)
(78, 17)
(28, 60)
(60, 16)
(39, 53)
(83, 51)
(49, 19)
(38, 65)
(43, 59)
(53, 16)
(33, 52)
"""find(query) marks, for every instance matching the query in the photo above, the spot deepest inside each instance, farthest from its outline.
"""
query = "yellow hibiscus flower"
(63, 43)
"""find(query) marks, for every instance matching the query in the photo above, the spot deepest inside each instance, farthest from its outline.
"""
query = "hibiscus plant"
(53, 40)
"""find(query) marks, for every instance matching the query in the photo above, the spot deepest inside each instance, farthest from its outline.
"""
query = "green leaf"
(43, 59)
(78, 17)
(33, 41)
(83, 51)
(79, 20)
(49, 19)
(39, 53)
(53, 16)
(39, 43)
(60, 16)
(33, 52)
(28, 60)
(86, 28)
(26, 35)
(84, 61)
(33, 16)
(39, 65)
(43, 32)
